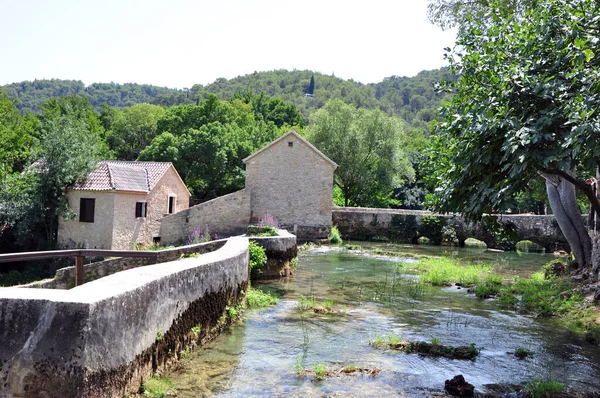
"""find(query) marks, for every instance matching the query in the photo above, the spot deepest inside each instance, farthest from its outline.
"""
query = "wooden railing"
(79, 255)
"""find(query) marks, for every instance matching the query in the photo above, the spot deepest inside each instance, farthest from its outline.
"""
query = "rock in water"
(459, 387)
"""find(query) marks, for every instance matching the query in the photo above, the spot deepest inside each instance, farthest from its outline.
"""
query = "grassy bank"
(542, 294)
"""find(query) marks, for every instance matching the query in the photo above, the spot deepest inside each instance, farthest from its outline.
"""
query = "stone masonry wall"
(96, 235)
(101, 339)
(293, 183)
(403, 225)
(227, 215)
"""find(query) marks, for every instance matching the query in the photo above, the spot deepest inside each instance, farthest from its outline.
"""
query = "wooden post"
(78, 270)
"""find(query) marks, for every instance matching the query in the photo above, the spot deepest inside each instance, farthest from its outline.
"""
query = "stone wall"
(97, 235)
(103, 338)
(406, 226)
(226, 216)
(65, 277)
(292, 181)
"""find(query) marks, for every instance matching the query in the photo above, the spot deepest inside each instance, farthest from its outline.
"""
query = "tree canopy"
(526, 103)
(367, 146)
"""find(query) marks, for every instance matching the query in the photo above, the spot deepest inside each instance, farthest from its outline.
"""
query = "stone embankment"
(280, 251)
(101, 339)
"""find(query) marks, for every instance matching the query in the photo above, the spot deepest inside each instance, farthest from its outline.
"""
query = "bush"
(158, 388)
(431, 227)
(258, 256)
(335, 237)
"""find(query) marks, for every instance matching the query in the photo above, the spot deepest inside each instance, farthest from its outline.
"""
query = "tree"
(207, 142)
(131, 129)
(16, 135)
(311, 86)
(460, 13)
(525, 104)
(366, 145)
(31, 202)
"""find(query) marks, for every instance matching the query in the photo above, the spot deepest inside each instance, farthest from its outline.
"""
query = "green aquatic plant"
(155, 387)
(542, 388)
(256, 298)
(522, 353)
(319, 370)
(335, 237)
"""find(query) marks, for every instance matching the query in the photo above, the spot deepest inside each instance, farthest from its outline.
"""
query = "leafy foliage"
(526, 102)
(258, 256)
(70, 146)
(367, 146)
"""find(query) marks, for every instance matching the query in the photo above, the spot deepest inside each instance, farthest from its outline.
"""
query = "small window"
(290, 144)
(86, 209)
(171, 209)
(140, 209)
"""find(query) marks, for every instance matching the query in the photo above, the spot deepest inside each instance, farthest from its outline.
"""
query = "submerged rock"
(459, 387)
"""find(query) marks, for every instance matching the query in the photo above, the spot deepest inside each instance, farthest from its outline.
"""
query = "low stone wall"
(65, 277)
(280, 250)
(406, 226)
(225, 216)
(103, 338)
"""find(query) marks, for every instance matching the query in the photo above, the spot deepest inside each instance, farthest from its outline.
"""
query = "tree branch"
(582, 186)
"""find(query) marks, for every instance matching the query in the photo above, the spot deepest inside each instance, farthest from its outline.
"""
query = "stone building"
(293, 181)
(121, 204)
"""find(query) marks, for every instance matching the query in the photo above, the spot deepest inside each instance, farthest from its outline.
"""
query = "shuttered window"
(86, 209)
(140, 209)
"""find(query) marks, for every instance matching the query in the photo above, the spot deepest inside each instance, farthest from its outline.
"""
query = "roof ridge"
(110, 177)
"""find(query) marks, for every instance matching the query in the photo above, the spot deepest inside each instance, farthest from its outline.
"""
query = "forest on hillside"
(414, 99)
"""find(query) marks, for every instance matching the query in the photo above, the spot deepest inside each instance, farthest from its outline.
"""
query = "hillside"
(412, 98)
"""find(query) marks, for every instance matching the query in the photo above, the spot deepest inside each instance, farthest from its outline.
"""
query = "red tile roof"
(121, 175)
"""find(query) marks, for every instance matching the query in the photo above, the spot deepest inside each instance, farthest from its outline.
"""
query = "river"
(259, 355)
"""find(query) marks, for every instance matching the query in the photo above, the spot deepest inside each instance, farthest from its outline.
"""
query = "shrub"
(258, 256)
(431, 227)
(472, 242)
(335, 237)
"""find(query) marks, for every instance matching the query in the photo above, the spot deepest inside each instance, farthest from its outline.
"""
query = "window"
(86, 209)
(140, 209)
(171, 209)
(290, 144)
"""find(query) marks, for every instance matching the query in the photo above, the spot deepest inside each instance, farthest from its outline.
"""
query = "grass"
(445, 271)
(265, 230)
(256, 298)
(544, 296)
(433, 349)
(311, 303)
(335, 237)
(542, 388)
(158, 387)
(159, 335)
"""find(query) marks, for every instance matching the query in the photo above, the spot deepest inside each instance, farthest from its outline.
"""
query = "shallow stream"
(259, 356)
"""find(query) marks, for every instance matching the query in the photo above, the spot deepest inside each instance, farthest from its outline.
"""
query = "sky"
(179, 43)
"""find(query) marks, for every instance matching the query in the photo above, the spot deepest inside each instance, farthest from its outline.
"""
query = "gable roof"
(298, 136)
(129, 176)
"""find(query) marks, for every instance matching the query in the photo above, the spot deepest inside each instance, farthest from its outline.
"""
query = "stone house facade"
(293, 181)
(121, 205)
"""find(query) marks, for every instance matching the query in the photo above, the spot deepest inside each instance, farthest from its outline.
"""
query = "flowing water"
(258, 356)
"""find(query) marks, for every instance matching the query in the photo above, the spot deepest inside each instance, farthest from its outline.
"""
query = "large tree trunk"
(561, 195)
